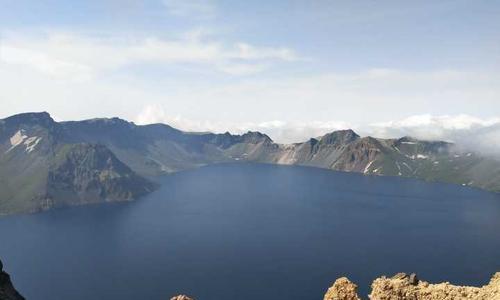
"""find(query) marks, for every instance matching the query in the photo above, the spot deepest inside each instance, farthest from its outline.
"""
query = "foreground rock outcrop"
(7, 290)
(343, 288)
(409, 287)
(181, 297)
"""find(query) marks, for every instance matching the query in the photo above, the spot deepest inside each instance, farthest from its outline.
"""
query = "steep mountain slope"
(150, 150)
(39, 169)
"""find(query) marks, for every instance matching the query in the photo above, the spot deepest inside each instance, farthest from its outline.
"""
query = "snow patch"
(31, 143)
(368, 167)
(406, 165)
(421, 156)
(17, 139)
(409, 143)
(399, 168)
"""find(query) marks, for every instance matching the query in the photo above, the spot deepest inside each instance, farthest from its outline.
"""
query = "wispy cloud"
(196, 9)
(67, 55)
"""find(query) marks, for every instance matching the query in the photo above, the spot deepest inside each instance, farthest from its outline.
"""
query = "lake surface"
(250, 231)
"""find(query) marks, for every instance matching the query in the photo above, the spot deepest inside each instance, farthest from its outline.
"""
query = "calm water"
(255, 232)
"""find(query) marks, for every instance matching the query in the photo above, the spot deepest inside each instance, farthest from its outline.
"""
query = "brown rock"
(404, 287)
(413, 279)
(342, 289)
(410, 288)
(181, 297)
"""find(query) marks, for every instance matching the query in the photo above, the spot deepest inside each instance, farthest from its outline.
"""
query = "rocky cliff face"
(7, 290)
(404, 287)
(42, 167)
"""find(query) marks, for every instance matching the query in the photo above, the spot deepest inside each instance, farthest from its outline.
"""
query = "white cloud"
(196, 9)
(468, 132)
(432, 127)
(280, 131)
(68, 55)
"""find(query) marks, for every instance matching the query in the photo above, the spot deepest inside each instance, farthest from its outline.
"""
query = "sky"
(291, 69)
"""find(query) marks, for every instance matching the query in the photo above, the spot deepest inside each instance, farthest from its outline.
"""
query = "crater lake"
(255, 231)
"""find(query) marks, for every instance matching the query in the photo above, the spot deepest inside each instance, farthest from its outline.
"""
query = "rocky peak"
(255, 137)
(340, 137)
(407, 139)
(31, 117)
(42, 119)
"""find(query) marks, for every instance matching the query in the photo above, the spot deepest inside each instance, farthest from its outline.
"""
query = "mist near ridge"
(468, 133)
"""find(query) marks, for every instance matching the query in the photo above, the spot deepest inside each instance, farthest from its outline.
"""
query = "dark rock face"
(7, 290)
(88, 173)
(43, 164)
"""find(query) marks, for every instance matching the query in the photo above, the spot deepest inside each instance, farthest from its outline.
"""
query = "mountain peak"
(340, 137)
(407, 138)
(42, 118)
(255, 136)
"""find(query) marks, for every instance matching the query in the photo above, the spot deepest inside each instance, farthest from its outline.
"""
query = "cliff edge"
(7, 290)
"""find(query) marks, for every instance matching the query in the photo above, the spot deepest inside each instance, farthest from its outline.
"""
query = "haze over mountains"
(46, 164)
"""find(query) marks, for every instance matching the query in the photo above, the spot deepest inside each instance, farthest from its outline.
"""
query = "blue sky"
(289, 68)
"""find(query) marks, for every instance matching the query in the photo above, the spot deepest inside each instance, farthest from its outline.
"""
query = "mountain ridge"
(31, 144)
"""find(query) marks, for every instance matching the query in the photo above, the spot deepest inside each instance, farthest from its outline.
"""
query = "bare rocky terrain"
(409, 287)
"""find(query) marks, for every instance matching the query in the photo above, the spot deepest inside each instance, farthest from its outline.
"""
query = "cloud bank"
(470, 133)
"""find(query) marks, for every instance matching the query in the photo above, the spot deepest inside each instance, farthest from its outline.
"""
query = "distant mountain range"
(46, 164)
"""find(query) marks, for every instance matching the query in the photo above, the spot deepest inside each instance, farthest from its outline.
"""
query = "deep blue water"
(249, 231)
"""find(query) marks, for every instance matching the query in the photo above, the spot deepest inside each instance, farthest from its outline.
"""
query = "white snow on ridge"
(20, 138)
(406, 165)
(17, 139)
(418, 156)
(399, 168)
(368, 167)
(31, 143)
(409, 143)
